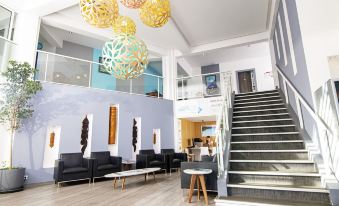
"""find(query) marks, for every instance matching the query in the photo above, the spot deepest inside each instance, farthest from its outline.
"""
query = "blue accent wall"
(151, 82)
(66, 106)
(101, 80)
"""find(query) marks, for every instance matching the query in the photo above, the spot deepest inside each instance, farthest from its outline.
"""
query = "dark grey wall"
(76, 50)
(301, 80)
(66, 106)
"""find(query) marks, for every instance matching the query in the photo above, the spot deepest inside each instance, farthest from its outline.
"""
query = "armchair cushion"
(74, 170)
(103, 158)
(167, 151)
(107, 167)
(155, 163)
(71, 160)
(146, 152)
(176, 160)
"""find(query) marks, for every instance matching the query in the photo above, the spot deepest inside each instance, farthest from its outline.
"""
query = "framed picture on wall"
(211, 85)
(101, 67)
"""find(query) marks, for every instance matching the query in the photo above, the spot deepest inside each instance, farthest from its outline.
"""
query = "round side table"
(198, 176)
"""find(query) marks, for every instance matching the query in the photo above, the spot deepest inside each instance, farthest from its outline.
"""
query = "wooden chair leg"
(193, 178)
(203, 185)
(198, 186)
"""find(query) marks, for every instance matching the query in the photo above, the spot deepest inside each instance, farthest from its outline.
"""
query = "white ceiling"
(228, 54)
(194, 24)
(206, 21)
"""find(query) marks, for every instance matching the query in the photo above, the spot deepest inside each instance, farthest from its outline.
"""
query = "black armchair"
(71, 167)
(173, 159)
(104, 163)
(210, 179)
(147, 159)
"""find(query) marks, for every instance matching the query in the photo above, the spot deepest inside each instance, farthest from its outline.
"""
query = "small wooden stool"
(198, 177)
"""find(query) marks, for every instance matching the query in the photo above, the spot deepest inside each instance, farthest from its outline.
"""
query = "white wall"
(320, 34)
(261, 65)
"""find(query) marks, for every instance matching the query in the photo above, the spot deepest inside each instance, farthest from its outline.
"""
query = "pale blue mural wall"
(66, 106)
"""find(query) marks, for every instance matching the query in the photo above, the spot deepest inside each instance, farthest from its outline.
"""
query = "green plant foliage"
(18, 88)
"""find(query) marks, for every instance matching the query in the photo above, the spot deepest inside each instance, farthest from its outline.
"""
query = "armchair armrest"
(88, 163)
(58, 168)
(181, 156)
(116, 160)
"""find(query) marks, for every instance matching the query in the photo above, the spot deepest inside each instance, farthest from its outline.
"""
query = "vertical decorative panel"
(112, 125)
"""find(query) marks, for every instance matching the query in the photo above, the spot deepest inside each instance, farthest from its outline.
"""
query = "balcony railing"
(74, 71)
(200, 86)
(6, 47)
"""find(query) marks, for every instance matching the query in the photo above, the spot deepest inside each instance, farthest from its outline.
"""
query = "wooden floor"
(165, 191)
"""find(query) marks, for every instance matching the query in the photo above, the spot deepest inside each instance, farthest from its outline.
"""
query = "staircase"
(269, 164)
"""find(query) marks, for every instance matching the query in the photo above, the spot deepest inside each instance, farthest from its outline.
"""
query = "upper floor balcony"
(63, 69)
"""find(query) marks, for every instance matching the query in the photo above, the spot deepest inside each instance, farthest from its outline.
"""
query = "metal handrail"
(8, 40)
(199, 75)
(320, 123)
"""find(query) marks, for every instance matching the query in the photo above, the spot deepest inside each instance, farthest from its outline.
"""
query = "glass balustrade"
(6, 47)
(200, 86)
(68, 70)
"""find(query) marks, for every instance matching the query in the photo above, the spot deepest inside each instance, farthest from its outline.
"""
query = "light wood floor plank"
(165, 191)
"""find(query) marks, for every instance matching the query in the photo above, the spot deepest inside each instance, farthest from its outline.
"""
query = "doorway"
(246, 81)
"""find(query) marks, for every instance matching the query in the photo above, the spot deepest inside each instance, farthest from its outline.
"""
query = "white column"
(169, 69)
(26, 35)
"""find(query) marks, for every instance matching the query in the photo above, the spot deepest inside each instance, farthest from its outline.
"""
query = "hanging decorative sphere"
(155, 13)
(99, 13)
(125, 56)
(133, 4)
(124, 25)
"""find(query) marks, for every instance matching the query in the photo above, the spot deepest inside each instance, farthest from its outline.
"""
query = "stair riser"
(266, 137)
(286, 167)
(265, 123)
(269, 156)
(263, 130)
(260, 112)
(257, 103)
(275, 180)
(254, 99)
(273, 146)
(260, 117)
(245, 108)
(248, 96)
(321, 198)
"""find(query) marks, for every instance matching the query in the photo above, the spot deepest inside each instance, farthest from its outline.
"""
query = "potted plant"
(17, 89)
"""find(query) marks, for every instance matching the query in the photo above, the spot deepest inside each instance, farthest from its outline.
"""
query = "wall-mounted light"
(51, 139)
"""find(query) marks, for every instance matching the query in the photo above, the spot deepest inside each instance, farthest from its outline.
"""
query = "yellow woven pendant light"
(155, 13)
(99, 13)
(133, 4)
(124, 25)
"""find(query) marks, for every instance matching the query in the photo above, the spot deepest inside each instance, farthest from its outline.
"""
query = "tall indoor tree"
(17, 89)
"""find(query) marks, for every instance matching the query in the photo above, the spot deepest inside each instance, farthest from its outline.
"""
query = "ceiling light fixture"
(133, 4)
(99, 13)
(125, 56)
(155, 13)
(124, 25)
